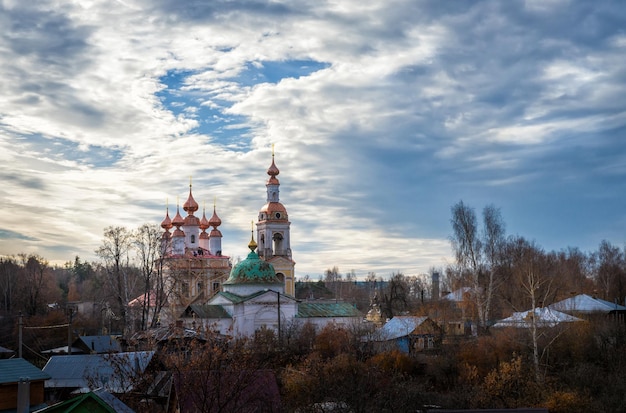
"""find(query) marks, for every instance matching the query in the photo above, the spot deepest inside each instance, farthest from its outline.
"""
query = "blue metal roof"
(12, 370)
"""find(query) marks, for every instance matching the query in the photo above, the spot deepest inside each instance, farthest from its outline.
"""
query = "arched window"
(278, 244)
(281, 277)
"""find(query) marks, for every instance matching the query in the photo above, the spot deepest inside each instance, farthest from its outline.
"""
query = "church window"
(193, 239)
(280, 276)
(278, 243)
(216, 286)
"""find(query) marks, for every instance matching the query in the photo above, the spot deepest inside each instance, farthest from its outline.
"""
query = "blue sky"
(383, 114)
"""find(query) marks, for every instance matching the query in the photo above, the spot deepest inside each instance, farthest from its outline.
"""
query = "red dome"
(215, 221)
(167, 222)
(190, 204)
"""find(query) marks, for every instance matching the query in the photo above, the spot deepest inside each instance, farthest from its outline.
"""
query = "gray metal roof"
(584, 303)
(12, 370)
(84, 371)
(99, 344)
(544, 317)
(400, 326)
(336, 309)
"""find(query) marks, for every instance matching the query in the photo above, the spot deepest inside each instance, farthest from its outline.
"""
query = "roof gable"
(97, 401)
(98, 344)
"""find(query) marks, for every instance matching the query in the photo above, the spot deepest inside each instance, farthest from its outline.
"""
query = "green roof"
(236, 299)
(253, 270)
(12, 370)
(309, 310)
(97, 401)
(209, 311)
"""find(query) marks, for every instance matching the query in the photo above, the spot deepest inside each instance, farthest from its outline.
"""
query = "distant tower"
(273, 232)
(435, 286)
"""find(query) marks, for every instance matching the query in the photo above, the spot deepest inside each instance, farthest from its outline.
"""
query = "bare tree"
(9, 270)
(478, 254)
(147, 244)
(532, 275)
(395, 298)
(35, 270)
(114, 251)
(610, 271)
(493, 244)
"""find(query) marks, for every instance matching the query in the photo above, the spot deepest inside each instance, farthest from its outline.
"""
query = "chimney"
(23, 395)
(435, 286)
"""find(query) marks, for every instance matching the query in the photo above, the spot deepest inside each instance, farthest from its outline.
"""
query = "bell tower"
(274, 244)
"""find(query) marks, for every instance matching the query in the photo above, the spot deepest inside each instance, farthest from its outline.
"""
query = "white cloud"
(412, 103)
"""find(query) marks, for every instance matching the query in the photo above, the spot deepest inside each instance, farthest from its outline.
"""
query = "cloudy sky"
(383, 114)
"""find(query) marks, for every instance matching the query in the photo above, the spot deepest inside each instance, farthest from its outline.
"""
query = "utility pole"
(20, 325)
(69, 332)
(279, 336)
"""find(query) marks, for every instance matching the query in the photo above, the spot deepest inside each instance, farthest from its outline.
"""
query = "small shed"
(21, 380)
(407, 334)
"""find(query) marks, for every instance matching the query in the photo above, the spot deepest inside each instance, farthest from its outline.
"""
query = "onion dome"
(253, 270)
(204, 223)
(178, 219)
(216, 233)
(215, 221)
(167, 222)
(190, 204)
(273, 171)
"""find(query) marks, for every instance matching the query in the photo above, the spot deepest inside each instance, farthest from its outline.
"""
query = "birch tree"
(114, 252)
(478, 253)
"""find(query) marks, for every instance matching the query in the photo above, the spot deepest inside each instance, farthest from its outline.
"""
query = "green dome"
(253, 270)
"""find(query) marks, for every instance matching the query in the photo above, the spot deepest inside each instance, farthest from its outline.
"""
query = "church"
(258, 292)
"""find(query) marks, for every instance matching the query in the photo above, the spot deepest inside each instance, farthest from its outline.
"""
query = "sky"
(383, 115)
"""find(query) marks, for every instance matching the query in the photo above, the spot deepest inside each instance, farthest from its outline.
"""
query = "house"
(97, 401)
(116, 373)
(407, 333)
(543, 316)
(21, 385)
(585, 305)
